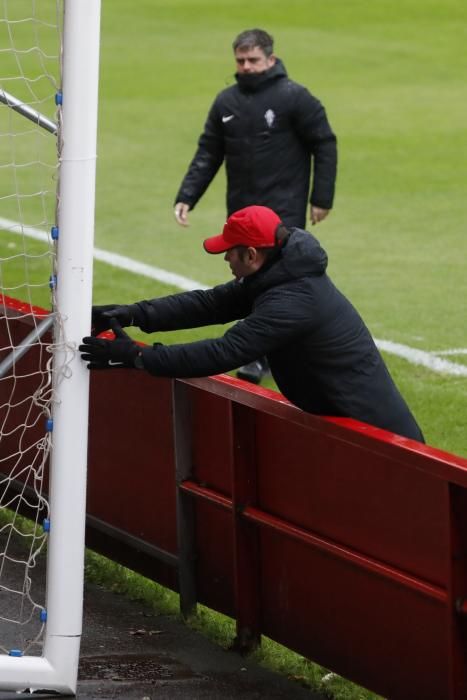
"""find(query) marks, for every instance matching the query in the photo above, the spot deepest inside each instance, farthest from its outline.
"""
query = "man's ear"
(255, 257)
(252, 254)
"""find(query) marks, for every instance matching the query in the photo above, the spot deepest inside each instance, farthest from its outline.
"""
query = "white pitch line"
(454, 351)
(417, 357)
(422, 358)
(114, 259)
(139, 268)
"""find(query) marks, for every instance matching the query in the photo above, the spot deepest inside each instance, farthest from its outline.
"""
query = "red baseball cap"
(253, 226)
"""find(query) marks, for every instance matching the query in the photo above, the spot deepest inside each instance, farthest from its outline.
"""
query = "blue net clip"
(43, 616)
(54, 232)
(49, 425)
(53, 281)
(58, 98)
(46, 525)
(15, 652)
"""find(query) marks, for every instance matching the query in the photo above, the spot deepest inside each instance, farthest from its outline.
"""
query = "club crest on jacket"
(269, 117)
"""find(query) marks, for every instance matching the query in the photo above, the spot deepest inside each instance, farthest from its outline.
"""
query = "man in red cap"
(321, 354)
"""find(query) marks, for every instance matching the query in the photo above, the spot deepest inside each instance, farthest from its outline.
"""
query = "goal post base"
(57, 670)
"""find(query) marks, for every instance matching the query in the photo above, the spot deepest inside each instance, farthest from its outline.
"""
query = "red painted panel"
(354, 496)
(211, 440)
(131, 471)
(457, 594)
(384, 497)
(382, 636)
(214, 558)
(18, 407)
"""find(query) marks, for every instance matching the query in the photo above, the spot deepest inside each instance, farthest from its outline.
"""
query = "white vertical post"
(74, 297)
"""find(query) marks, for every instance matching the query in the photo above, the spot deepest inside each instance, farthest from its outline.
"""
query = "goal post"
(71, 284)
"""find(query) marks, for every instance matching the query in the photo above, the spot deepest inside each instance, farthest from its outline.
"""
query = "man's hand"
(102, 317)
(181, 213)
(109, 354)
(317, 214)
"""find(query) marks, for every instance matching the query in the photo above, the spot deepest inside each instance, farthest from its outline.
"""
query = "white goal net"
(46, 174)
(29, 81)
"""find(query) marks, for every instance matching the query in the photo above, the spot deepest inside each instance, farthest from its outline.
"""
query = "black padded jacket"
(321, 354)
(270, 130)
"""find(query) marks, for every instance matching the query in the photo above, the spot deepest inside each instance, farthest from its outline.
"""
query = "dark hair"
(271, 252)
(254, 37)
(282, 234)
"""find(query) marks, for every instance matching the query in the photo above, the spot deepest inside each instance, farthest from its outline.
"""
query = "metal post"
(27, 111)
(78, 138)
(246, 538)
(186, 522)
(30, 340)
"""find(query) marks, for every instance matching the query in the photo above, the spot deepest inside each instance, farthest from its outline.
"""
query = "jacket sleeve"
(222, 304)
(206, 162)
(313, 127)
(270, 326)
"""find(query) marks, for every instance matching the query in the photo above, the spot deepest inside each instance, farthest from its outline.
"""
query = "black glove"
(109, 354)
(102, 315)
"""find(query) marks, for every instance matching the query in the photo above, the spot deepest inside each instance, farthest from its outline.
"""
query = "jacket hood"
(252, 82)
(302, 256)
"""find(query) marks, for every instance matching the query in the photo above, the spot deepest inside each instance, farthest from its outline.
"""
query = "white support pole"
(67, 494)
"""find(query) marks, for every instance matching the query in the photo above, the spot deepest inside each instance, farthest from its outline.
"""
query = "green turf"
(391, 77)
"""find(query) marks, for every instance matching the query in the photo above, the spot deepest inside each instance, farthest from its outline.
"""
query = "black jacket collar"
(253, 82)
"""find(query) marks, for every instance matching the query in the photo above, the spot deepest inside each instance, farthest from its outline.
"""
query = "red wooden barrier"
(343, 542)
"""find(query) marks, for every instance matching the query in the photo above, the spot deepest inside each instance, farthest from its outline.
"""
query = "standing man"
(322, 355)
(273, 134)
